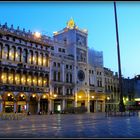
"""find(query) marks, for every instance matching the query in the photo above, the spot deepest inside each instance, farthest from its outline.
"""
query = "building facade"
(39, 73)
(24, 71)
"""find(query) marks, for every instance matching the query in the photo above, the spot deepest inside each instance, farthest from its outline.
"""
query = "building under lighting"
(39, 73)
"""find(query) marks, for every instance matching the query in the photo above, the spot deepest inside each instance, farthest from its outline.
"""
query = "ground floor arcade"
(36, 102)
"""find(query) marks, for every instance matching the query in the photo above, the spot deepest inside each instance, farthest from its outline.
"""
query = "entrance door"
(33, 105)
(91, 106)
(44, 105)
(57, 106)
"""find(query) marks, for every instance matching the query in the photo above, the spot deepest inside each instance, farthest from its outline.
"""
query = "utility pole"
(121, 104)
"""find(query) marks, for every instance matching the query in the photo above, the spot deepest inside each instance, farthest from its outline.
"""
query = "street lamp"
(121, 104)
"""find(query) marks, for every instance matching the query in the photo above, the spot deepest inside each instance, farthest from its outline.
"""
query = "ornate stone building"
(49, 74)
(24, 71)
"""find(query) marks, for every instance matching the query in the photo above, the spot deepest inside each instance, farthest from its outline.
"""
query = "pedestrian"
(28, 113)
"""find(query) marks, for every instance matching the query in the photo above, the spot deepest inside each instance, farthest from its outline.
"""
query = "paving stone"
(93, 125)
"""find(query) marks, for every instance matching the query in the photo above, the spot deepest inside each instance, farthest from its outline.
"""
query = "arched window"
(18, 55)
(35, 80)
(54, 64)
(98, 83)
(24, 56)
(45, 81)
(59, 76)
(31, 57)
(4, 77)
(70, 78)
(17, 79)
(54, 75)
(47, 60)
(6, 52)
(67, 77)
(36, 58)
(12, 53)
(11, 77)
(23, 79)
(40, 81)
(41, 59)
(29, 80)
(108, 87)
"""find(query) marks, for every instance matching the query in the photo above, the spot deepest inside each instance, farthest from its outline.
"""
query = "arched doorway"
(44, 103)
(92, 102)
(9, 102)
(33, 104)
(21, 103)
(81, 98)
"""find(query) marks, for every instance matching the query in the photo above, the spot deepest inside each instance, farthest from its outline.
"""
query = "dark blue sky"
(97, 17)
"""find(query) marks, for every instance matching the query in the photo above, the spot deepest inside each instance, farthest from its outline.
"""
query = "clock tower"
(75, 40)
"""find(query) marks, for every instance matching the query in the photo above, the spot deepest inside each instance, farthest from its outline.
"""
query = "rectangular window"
(58, 64)
(52, 48)
(63, 50)
(67, 66)
(59, 49)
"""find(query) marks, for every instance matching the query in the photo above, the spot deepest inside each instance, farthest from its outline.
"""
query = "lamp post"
(121, 104)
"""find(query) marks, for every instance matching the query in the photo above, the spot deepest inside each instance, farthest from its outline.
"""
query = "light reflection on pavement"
(93, 125)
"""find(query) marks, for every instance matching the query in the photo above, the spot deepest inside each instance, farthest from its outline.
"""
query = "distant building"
(136, 80)
(111, 88)
(95, 58)
(131, 89)
(128, 88)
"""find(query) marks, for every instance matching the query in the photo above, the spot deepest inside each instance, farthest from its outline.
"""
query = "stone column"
(96, 105)
(75, 100)
(50, 108)
(15, 106)
(103, 106)
(38, 107)
(63, 100)
(63, 90)
(63, 72)
(88, 102)
(63, 104)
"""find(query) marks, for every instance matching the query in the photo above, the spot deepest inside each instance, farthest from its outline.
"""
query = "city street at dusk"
(69, 69)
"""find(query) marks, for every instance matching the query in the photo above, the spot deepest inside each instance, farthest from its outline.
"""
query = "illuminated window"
(23, 79)
(4, 77)
(35, 58)
(24, 56)
(31, 57)
(40, 60)
(18, 55)
(44, 61)
(40, 81)
(17, 79)
(12, 53)
(10, 78)
(35, 81)
(29, 80)
(5, 52)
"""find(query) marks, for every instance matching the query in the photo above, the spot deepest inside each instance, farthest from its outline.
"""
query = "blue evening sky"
(97, 17)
